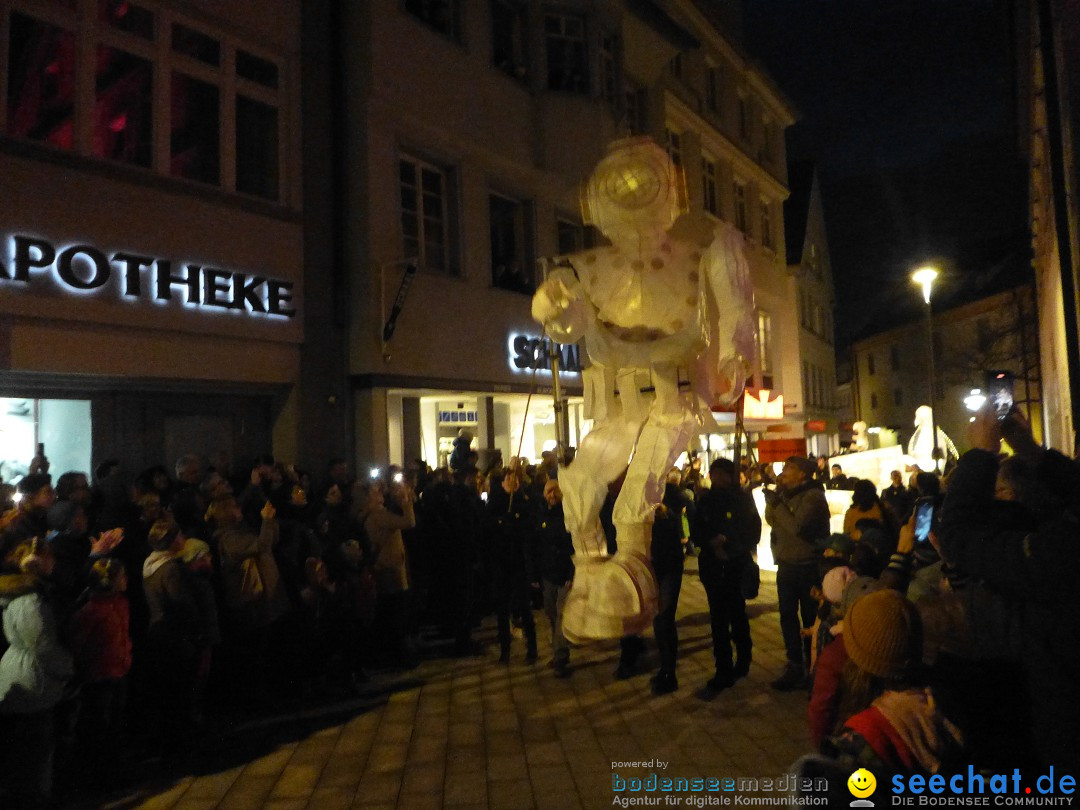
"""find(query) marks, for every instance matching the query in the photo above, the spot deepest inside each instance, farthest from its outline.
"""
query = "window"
(127, 17)
(764, 346)
(804, 317)
(424, 214)
(257, 162)
(511, 254)
(674, 146)
(123, 107)
(256, 69)
(708, 184)
(508, 37)
(766, 225)
(740, 206)
(609, 71)
(870, 363)
(567, 60)
(194, 147)
(898, 396)
(873, 402)
(635, 109)
(807, 393)
(675, 66)
(767, 142)
(196, 44)
(442, 15)
(713, 89)
(41, 82)
(894, 358)
(569, 237)
(744, 117)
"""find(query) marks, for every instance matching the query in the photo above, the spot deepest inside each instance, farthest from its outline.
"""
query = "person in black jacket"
(667, 558)
(1038, 567)
(510, 532)
(726, 529)
(555, 551)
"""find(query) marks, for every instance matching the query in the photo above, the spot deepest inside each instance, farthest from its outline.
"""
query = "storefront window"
(41, 82)
(61, 426)
(123, 107)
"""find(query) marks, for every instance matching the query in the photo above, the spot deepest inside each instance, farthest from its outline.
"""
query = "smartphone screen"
(1001, 396)
(924, 517)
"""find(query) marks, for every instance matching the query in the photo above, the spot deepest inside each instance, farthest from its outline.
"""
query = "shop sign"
(86, 269)
(458, 417)
(759, 406)
(531, 354)
(816, 426)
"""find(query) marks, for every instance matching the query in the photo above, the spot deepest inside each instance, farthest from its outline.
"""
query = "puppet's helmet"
(636, 187)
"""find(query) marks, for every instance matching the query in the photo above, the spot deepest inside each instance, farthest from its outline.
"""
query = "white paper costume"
(921, 444)
(662, 306)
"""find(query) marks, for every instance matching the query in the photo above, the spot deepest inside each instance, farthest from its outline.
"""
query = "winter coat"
(236, 547)
(390, 565)
(1037, 569)
(728, 512)
(35, 667)
(100, 638)
(825, 697)
(510, 536)
(800, 523)
(554, 548)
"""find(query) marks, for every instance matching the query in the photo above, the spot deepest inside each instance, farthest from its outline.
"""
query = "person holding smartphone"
(1037, 566)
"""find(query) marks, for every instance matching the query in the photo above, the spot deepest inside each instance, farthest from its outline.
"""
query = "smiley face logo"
(862, 783)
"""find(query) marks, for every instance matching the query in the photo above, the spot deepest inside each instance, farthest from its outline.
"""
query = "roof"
(797, 208)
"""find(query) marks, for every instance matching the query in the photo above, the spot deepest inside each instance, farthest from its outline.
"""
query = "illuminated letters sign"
(759, 406)
(86, 269)
(531, 354)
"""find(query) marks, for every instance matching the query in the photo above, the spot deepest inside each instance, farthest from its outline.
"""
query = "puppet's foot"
(610, 598)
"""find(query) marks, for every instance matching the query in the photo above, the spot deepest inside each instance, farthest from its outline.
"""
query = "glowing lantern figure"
(667, 301)
(921, 444)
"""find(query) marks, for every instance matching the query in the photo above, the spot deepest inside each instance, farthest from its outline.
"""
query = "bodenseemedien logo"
(862, 785)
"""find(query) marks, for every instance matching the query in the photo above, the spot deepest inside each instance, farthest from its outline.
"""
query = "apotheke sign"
(83, 269)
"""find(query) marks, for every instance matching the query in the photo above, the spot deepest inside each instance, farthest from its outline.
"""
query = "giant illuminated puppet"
(666, 314)
(921, 444)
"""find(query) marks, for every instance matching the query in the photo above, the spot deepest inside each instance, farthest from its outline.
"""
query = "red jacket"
(100, 639)
(825, 697)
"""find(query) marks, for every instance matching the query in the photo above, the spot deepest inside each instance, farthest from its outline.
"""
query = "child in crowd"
(101, 645)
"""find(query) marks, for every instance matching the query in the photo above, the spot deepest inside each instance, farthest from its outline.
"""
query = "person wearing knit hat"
(900, 726)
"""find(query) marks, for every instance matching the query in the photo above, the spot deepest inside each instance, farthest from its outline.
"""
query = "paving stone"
(510, 795)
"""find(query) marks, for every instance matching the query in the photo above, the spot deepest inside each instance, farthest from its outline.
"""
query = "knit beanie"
(883, 634)
(834, 583)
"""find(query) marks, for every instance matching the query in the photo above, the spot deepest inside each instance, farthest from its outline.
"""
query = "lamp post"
(925, 277)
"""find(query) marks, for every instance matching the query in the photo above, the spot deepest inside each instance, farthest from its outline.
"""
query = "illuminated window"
(511, 254)
(764, 343)
(123, 107)
(567, 59)
(740, 206)
(41, 82)
(425, 214)
(709, 186)
(442, 15)
(509, 50)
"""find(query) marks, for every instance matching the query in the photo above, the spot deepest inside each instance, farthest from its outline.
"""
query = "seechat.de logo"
(862, 784)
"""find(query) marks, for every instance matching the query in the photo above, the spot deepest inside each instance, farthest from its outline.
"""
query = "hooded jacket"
(36, 667)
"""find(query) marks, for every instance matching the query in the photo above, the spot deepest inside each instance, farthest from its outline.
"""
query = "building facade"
(471, 129)
(1048, 46)
(811, 276)
(891, 376)
(151, 242)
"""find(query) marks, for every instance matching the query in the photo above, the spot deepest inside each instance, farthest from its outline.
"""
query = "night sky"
(909, 110)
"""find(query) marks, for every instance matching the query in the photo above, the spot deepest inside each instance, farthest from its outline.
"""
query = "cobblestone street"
(471, 733)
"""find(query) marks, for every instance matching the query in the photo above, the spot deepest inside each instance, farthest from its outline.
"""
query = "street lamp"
(925, 277)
